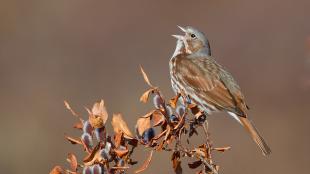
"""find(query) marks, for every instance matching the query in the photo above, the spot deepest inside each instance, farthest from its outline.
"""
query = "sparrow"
(195, 73)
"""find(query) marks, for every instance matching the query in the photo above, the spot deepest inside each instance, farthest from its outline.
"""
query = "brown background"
(82, 51)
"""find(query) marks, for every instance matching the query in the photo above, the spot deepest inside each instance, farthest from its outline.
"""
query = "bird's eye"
(193, 35)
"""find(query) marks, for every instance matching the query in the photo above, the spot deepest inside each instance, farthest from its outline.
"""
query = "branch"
(113, 154)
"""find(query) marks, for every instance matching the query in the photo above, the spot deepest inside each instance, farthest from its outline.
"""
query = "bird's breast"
(174, 81)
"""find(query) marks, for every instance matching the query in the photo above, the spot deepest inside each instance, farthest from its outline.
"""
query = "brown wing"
(211, 83)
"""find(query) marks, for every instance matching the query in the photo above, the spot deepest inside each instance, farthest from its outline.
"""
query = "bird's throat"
(179, 49)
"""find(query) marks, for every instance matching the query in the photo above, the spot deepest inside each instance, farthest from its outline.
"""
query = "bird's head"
(194, 40)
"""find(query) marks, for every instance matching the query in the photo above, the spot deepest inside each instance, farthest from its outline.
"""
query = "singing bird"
(195, 73)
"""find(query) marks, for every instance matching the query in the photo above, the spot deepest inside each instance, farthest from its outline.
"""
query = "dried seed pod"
(107, 147)
(87, 170)
(201, 119)
(158, 102)
(173, 118)
(96, 169)
(148, 135)
(122, 147)
(142, 125)
(87, 128)
(169, 110)
(188, 100)
(87, 140)
(180, 110)
(99, 133)
(105, 153)
(120, 162)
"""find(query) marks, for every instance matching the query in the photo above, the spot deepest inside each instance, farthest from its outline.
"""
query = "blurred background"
(82, 51)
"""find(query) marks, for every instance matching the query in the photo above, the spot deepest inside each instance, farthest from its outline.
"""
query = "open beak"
(179, 37)
(182, 29)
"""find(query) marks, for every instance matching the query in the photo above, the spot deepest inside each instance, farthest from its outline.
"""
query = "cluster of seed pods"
(87, 138)
(160, 129)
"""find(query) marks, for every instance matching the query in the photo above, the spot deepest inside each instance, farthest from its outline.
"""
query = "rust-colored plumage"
(196, 73)
(204, 77)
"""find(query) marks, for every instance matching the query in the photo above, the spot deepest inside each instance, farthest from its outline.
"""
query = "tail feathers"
(249, 126)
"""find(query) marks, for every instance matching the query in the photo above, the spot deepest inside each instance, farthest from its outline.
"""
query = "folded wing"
(211, 83)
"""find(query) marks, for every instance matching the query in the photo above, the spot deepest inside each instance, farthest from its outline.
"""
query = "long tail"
(249, 126)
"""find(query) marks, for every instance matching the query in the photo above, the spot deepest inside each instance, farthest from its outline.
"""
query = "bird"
(195, 73)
